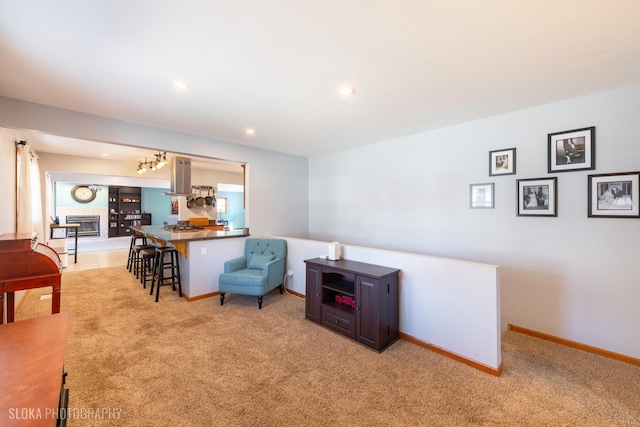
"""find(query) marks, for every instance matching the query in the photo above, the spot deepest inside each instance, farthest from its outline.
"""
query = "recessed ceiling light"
(180, 84)
(346, 90)
(250, 131)
(105, 154)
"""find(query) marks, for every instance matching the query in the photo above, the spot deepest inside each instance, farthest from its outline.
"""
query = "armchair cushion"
(258, 261)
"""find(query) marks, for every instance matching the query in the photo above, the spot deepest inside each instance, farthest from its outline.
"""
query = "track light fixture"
(158, 163)
(161, 159)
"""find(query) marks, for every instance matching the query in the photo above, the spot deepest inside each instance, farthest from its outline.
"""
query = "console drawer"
(339, 321)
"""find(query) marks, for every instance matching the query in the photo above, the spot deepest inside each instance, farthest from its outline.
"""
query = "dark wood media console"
(355, 299)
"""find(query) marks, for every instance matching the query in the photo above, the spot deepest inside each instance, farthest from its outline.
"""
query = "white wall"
(450, 304)
(277, 183)
(570, 276)
(8, 194)
(205, 263)
(7, 182)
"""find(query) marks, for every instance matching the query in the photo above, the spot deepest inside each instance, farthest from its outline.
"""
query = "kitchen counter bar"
(181, 239)
(202, 255)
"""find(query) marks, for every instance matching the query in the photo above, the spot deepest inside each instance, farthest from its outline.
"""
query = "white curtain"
(49, 201)
(29, 194)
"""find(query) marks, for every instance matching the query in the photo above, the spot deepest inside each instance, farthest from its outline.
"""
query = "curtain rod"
(20, 143)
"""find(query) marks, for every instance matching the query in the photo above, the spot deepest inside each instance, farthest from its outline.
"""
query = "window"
(222, 205)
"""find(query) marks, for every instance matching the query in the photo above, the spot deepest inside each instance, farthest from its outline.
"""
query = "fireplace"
(89, 225)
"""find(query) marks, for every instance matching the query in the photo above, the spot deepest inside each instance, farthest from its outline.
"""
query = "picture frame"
(614, 195)
(537, 197)
(502, 162)
(174, 205)
(572, 150)
(482, 196)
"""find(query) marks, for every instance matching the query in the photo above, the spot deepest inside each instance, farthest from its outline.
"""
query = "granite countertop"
(160, 233)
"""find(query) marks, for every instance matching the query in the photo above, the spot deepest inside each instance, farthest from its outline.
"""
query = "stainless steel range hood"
(180, 177)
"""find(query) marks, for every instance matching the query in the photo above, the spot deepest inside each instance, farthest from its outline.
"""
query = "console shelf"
(343, 287)
(355, 299)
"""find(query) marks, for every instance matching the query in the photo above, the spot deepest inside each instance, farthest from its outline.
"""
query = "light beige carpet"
(178, 363)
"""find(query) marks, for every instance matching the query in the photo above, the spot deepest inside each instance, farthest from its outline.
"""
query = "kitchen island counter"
(202, 255)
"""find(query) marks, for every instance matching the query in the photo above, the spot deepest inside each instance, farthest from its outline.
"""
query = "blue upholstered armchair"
(257, 272)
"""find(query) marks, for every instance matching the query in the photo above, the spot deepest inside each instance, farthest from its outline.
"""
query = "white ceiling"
(276, 65)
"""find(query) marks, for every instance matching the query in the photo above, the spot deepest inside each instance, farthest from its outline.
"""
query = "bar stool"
(136, 240)
(161, 264)
(147, 265)
(136, 258)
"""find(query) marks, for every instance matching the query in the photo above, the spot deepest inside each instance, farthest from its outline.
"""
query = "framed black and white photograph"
(614, 195)
(502, 162)
(572, 150)
(481, 196)
(537, 197)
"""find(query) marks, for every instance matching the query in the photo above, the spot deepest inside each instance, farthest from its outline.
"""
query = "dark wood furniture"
(25, 264)
(166, 261)
(32, 376)
(66, 228)
(125, 210)
(355, 299)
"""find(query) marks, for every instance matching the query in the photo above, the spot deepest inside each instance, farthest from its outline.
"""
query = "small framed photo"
(502, 162)
(572, 150)
(537, 197)
(174, 205)
(481, 196)
(614, 195)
